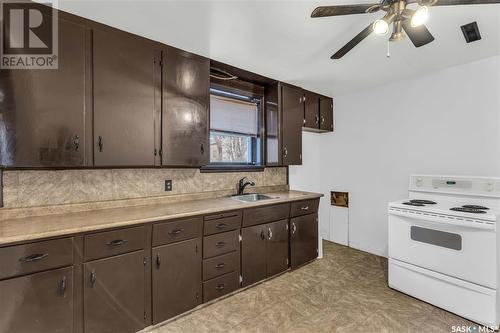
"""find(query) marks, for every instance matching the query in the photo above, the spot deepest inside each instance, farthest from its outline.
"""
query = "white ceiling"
(279, 39)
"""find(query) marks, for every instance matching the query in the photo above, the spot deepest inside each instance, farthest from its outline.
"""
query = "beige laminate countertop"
(38, 227)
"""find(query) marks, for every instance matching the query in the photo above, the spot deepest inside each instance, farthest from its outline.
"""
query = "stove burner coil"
(423, 202)
(468, 210)
(475, 207)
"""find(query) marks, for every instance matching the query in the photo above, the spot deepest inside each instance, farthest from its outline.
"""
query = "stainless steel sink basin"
(251, 197)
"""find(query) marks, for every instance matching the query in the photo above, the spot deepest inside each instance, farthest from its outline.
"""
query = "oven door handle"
(430, 218)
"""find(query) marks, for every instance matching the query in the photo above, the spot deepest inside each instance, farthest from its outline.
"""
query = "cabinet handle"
(304, 208)
(220, 287)
(220, 266)
(317, 120)
(176, 231)
(269, 233)
(285, 151)
(158, 260)
(220, 244)
(221, 226)
(93, 277)
(322, 119)
(62, 285)
(117, 242)
(294, 228)
(100, 143)
(262, 235)
(76, 143)
(34, 257)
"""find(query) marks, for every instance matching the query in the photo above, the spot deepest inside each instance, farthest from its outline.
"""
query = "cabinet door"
(326, 114)
(126, 83)
(176, 278)
(41, 302)
(42, 111)
(311, 110)
(114, 294)
(186, 84)
(293, 117)
(277, 247)
(304, 239)
(253, 254)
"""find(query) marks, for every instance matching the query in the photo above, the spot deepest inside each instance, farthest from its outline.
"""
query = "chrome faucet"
(242, 184)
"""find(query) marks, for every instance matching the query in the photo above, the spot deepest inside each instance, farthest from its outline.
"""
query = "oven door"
(465, 251)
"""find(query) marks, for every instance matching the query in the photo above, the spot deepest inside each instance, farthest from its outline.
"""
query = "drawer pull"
(62, 285)
(176, 231)
(220, 266)
(304, 208)
(220, 287)
(158, 260)
(220, 244)
(117, 242)
(93, 278)
(221, 226)
(34, 257)
(294, 228)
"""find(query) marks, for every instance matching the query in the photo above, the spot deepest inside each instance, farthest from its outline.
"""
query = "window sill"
(231, 168)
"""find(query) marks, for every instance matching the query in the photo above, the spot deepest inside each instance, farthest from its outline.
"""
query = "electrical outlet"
(168, 185)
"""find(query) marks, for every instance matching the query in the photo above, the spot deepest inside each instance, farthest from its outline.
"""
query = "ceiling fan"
(403, 19)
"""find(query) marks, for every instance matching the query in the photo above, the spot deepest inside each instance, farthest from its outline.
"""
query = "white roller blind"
(232, 115)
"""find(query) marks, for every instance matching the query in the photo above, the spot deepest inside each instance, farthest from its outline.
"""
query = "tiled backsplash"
(39, 188)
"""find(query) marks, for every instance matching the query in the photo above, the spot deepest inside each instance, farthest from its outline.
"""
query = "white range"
(444, 245)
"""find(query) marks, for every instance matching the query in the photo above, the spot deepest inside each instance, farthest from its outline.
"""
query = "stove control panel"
(483, 186)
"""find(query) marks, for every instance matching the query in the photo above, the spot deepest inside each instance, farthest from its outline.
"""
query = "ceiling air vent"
(471, 32)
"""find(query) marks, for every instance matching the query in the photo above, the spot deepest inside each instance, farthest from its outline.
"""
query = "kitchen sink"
(251, 197)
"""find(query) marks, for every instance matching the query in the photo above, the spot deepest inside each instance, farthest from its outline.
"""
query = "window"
(234, 129)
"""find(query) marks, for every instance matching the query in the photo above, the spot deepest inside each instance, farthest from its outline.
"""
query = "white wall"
(444, 123)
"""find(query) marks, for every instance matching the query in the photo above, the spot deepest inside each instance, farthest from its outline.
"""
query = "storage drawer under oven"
(461, 251)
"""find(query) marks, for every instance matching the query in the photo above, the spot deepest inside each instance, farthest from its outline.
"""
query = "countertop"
(38, 227)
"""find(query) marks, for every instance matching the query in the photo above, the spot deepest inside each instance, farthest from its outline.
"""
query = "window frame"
(258, 163)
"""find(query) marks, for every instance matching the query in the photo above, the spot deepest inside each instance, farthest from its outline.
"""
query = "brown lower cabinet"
(303, 239)
(114, 294)
(40, 302)
(176, 278)
(264, 251)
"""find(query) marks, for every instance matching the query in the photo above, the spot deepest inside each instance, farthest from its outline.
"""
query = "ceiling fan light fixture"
(419, 17)
(380, 27)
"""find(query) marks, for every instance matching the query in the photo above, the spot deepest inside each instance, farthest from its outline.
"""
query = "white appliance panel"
(468, 300)
(462, 251)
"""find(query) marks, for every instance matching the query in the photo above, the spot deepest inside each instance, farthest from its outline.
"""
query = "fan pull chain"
(388, 55)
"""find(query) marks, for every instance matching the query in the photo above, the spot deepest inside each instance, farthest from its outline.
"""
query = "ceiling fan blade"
(419, 36)
(353, 42)
(324, 11)
(463, 2)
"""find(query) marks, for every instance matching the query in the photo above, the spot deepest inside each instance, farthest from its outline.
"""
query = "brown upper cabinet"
(285, 116)
(311, 110)
(127, 83)
(326, 114)
(186, 99)
(43, 111)
(318, 113)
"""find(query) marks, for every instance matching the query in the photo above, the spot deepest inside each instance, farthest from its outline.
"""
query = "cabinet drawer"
(110, 243)
(35, 257)
(221, 243)
(222, 222)
(305, 207)
(221, 265)
(220, 286)
(259, 215)
(175, 231)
